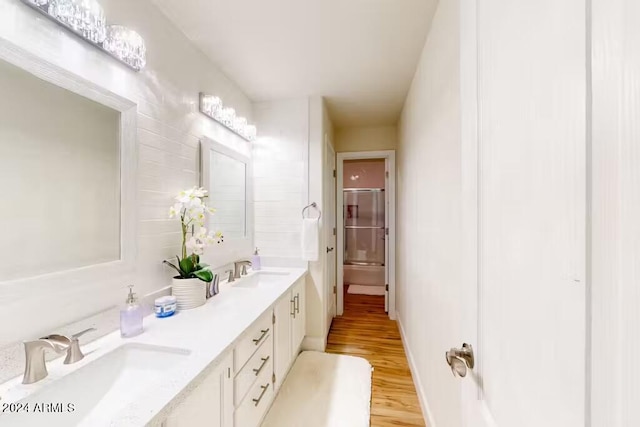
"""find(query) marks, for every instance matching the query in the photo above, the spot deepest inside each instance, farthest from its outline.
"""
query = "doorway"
(366, 227)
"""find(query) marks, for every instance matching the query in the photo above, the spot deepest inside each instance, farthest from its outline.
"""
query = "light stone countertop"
(207, 332)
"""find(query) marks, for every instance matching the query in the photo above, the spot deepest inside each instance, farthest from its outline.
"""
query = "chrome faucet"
(35, 365)
(236, 268)
(74, 354)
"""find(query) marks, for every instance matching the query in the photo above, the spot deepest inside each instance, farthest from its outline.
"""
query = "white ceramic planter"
(189, 293)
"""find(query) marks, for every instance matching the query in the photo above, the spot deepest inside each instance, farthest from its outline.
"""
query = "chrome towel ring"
(312, 205)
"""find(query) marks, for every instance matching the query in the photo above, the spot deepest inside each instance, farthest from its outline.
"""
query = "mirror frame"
(233, 248)
(87, 278)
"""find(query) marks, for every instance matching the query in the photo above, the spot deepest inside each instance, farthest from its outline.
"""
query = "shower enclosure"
(364, 239)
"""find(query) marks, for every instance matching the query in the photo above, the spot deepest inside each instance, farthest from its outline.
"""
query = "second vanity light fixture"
(211, 106)
(86, 19)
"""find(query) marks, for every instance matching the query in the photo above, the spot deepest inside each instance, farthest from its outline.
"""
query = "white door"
(283, 312)
(210, 404)
(524, 224)
(298, 326)
(329, 216)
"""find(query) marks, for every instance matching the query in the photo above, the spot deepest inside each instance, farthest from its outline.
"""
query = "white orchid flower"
(195, 203)
(190, 207)
(201, 233)
(199, 192)
(175, 210)
(185, 196)
(195, 246)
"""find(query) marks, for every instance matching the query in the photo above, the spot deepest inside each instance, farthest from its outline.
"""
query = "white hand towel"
(310, 239)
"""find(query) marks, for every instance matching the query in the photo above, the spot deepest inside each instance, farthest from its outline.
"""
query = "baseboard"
(314, 343)
(422, 398)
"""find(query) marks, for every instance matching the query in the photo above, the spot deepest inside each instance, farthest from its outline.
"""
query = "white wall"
(169, 127)
(615, 213)
(370, 138)
(429, 218)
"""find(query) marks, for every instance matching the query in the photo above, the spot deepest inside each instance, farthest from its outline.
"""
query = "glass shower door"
(364, 219)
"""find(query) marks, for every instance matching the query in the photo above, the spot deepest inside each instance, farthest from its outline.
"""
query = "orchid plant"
(190, 207)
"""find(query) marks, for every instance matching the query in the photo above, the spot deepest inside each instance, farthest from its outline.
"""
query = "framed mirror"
(226, 174)
(67, 164)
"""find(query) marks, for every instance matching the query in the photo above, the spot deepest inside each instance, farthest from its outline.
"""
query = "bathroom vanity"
(217, 365)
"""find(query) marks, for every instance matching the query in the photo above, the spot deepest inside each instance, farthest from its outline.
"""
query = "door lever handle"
(459, 359)
(329, 249)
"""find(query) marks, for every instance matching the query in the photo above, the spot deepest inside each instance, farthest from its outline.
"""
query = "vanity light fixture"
(86, 19)
(212, 107)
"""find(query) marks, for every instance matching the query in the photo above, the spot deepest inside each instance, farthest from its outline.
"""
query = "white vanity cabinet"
(289, 330)
(253, 361)
(210, 404)
(241, 389)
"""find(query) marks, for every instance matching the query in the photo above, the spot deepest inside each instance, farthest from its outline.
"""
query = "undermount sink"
(262, 278)
(98, 390)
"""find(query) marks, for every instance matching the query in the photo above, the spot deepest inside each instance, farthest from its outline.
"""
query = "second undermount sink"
(96, 392)
(262, 278)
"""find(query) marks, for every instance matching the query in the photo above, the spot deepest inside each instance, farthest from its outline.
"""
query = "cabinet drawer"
(260, 362)
(258, 333)
(256, 403)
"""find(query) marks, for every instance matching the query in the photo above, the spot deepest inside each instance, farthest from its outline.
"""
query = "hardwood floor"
(366, 331)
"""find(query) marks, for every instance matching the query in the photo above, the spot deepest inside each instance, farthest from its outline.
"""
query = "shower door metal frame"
(390, 211)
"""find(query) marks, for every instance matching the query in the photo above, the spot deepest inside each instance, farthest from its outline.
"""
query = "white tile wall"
(280, 165)
(169, 128)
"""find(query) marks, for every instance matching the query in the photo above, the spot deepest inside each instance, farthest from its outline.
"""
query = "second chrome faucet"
(239, 269)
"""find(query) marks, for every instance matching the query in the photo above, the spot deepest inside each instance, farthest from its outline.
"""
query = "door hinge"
(334, 173)
(228, 372)
(386, 287)
(335, 289)
(334, 231)
(386, 231)
(273, 378)
(273, 319)
(386, 173)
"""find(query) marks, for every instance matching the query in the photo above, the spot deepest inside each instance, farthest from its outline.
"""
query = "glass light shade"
(239, 125)
(251, 132)
(127, 45)
(228, 115)
(84, 16)
(211, 105)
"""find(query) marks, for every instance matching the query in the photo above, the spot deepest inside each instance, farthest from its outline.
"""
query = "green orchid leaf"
(187, 266)
(202, 266)
(173, 266)
(204, 275)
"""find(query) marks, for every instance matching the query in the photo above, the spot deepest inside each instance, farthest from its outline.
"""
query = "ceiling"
(359, 54)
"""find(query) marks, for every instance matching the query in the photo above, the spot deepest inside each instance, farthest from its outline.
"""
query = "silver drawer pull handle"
(264, 362)
(293, 307)
(264, 333)
(297, 298)
(264, 390)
